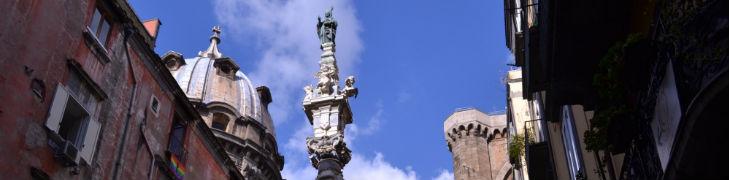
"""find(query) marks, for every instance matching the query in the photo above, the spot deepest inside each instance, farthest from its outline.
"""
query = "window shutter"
(55, 114)
(92, 135)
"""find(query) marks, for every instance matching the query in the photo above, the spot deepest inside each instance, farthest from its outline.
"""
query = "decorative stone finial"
(212, 51)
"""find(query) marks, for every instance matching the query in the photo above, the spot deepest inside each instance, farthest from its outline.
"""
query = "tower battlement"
(478, 144)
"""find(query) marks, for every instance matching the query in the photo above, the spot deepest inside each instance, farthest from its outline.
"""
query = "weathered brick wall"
(202, 158)
(37, 38)
(498, 154)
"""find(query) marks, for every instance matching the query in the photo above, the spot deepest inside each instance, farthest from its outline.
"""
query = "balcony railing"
(533, 131)
(537, 151)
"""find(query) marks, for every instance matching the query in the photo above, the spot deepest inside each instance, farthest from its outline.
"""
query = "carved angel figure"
(327, 78)
(309, 92)
(349, 83)
(349, 88)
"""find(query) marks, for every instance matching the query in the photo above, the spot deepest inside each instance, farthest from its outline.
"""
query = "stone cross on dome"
(213, 52)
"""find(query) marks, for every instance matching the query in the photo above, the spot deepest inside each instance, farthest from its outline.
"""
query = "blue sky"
(415, 62)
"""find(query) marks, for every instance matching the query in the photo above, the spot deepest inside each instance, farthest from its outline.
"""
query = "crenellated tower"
(478, 142)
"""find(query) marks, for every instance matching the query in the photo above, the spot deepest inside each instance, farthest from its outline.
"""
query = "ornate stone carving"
(328, 76)
(309, 92)
(213, 52)
(327, 108)
(328, 147)
(349, 89)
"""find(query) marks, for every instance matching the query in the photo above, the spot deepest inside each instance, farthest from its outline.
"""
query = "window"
(666, 116)
(172, 65)
(38, 174)
(571, 143)
(72, 116)
(73, 121)
(220, 121)
(226, 70)
(38, 88)
(226, 67)
(154, 105)
(99, 27)
(177, 138)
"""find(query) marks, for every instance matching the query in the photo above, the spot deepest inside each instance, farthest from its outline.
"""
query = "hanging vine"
(611, 94)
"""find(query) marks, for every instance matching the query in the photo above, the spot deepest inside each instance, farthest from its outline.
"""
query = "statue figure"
(328, 77)
(327, 29)
(349, 83)
(349, 89)
(309, 92)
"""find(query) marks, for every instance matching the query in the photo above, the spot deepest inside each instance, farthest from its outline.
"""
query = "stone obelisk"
(327, 107)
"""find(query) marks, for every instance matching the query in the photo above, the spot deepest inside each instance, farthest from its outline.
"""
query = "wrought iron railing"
(533, 131)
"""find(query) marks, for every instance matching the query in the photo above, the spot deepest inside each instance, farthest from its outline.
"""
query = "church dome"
(206, 83)
(235, 110)
(212, 80)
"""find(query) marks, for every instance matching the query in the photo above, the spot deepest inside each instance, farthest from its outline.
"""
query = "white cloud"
(359, 168)
(510, 58)
(444, 175)
(298, 165)
(376, 120)
(303, 173)
(404, 96)
(353, 131)
(285, 32)
(297, 142)
(375, 169)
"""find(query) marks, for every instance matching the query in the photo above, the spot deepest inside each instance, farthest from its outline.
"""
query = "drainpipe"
(128, 30)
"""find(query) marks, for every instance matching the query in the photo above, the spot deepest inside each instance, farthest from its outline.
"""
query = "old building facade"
(478, 143)
(86, 97)
(522, 119)
(638, 99)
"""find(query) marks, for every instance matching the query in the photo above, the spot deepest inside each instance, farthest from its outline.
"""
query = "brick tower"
(478, 143)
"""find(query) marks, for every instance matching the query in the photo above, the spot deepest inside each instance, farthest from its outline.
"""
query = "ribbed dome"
(235, 110)
(202, 83)
(214, 80)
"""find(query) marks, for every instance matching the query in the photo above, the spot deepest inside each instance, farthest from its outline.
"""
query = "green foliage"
(516, 148)
(611, 93)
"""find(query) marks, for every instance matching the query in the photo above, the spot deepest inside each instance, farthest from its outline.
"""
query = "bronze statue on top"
(327, 29)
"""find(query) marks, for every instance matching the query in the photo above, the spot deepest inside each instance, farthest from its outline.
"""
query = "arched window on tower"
(220, 121)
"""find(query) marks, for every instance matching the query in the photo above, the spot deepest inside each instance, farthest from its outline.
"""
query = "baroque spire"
(213, 52)
(327, 107)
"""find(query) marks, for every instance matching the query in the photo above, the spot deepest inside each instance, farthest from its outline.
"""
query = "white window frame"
(96, 27)
(571, 143)
(89, 130)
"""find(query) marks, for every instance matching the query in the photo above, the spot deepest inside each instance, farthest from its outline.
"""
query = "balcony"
(537, 151)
